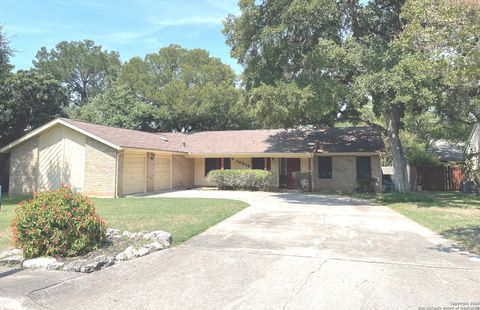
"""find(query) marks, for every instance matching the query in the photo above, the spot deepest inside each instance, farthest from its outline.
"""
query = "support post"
(222, 163)
(310, 185)
(265, 163)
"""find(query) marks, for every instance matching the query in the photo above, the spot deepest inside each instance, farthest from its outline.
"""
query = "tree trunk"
(400, 176)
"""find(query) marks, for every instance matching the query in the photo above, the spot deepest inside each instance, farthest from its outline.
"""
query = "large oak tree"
(81, 66)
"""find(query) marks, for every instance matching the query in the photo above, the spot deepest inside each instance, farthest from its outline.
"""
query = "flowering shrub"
(57, 223)
(242, 179)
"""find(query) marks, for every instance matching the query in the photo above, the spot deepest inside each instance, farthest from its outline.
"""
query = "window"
(259, 163)
(364, 168)
(324, 167)
(227, 163)
(216, 163)
(211, 164)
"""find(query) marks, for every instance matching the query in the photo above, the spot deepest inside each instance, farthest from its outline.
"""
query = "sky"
(133, 28)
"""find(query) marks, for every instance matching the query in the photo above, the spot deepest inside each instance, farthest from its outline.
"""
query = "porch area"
(282, 167)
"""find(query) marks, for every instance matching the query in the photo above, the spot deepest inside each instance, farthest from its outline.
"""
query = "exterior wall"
(377, 172)
(23, 168)
(199, 172)
(120, 163)
(182, 171)
(275, 169)
(61, 159)
(100, 169)
(163, 172)
(241, 163)
(238, 163)
(344, 174)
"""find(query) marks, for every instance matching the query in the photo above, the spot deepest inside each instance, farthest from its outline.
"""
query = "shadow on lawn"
(451, 200)
(468, 238)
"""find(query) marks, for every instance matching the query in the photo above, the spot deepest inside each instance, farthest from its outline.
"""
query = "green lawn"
(454, 215)
(182, 217)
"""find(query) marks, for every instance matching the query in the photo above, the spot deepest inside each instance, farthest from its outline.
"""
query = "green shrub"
(366, 185)
(57, 223)
(302, 180)
(242, 179)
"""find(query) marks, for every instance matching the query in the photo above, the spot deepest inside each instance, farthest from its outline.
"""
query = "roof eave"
(49, 125)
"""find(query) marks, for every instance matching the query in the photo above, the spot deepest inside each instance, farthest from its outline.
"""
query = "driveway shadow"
(10, 272)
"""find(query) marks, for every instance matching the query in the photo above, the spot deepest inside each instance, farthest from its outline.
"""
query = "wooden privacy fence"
(437, 178)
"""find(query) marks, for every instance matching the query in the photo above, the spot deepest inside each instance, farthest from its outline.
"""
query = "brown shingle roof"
(126, 138)
(332, 140)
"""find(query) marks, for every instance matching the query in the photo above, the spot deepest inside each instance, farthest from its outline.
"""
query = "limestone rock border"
(160, 240)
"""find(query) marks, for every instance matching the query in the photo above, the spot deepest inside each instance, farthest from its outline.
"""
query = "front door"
(293, 165)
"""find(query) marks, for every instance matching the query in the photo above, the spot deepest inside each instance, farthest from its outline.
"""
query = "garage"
(162, 173)
(134, 173)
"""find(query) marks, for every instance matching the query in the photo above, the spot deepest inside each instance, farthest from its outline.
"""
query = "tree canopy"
(275, 42)
(186, 89)
(81, 66)
(33, 100)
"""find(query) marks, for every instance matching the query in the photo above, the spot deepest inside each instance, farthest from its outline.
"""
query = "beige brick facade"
(344, 174)
(150, 172)
(100, 169)
(183, 171)
(23, 168)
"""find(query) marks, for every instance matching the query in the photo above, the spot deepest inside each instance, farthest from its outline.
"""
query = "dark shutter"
(364, 168)
(324, 167)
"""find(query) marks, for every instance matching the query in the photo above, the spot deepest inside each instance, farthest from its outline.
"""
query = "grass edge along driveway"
(453, 215)
(182, 217)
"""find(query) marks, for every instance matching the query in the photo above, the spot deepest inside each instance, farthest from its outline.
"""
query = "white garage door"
(134, 173)
(162, 173)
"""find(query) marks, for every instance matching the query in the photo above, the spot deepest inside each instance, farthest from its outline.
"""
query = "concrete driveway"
(285, 251)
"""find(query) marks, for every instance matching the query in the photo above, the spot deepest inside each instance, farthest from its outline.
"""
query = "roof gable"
(51, 124)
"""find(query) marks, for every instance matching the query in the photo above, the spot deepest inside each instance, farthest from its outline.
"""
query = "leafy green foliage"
(416, 150)
(366, 185)
(186, 89)
(445, 33)
(119, 107)
(83, 67)
(57, 223)
(283, 105)
(5, 53)
(242, 179)
(302, 180)
(275, 41)
(33, 99)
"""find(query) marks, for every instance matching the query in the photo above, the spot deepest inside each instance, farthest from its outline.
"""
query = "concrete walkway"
(285, 251)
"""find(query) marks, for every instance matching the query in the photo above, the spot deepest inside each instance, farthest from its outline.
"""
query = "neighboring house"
(106, 161)
(447, 152)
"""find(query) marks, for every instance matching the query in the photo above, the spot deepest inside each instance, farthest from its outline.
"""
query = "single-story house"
(107, 161)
